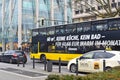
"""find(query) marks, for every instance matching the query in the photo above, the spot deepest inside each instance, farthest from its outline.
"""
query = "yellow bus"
(72, 40)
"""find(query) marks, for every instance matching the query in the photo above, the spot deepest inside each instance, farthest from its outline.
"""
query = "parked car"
(12, 56)
(93, 61)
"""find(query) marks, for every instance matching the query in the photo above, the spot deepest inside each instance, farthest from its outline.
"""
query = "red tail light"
(14, 55)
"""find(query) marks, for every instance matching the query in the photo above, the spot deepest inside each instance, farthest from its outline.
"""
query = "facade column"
(52, 12)
(19, 23)
(10, 26)
(37, 12)
(3, 32)
(65, 11)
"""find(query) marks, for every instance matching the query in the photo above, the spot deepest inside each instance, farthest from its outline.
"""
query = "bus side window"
(34, 48)
(105, 27)
(86, 26)
(86, 29)
(79, 29)
(94, 28)
(101, 27)
(118, 25)
(51, 31)
(71, 28)
(60, 31)
(113, 25)
(74, 30)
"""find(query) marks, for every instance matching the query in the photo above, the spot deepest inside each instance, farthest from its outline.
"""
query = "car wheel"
(107, 69)
(43, 58)
(10, 61)
(73, 68)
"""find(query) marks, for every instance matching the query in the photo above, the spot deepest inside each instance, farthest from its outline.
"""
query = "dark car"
(13, 56)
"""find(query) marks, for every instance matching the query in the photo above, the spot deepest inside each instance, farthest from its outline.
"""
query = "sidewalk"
(27, 72)
(21, 73)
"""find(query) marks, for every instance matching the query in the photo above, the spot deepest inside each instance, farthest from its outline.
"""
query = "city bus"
(68, 41)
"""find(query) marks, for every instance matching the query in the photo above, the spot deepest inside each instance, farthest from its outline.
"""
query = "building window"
(81, 11)
(99, 7)
(113, 0)
(93, 8)
(77, 12)
(88, 10)
(118, 3)
(113, 5)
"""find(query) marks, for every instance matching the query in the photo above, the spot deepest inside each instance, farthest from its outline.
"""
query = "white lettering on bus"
(66, 43)
(60, 38)
(74, 37)
(75, 43)
(86, 43)
(89, 43)
(73, 49)
(84, 37)
(58, 43)
(108, 42)
(95, 36)
(48, 39)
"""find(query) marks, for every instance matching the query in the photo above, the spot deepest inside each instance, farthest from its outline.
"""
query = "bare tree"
(100, 8)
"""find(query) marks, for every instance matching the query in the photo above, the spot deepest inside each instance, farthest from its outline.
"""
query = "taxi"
(95, 61)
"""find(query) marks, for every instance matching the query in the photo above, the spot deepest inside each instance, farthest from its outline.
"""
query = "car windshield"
(88, 55)
(103, 55)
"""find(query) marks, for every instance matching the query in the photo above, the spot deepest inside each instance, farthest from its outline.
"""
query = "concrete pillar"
(52, 12)
(10, 26)
(3, 36)
(19, 23)
(37, 12)
(65, 11)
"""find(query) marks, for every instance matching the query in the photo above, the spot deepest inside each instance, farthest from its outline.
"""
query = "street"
(14, 72)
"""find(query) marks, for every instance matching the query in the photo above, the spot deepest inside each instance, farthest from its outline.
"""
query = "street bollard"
(45, 63)
(23, 63)
(104, 65)
(18, 62)
(77, 66)
(59, 65)
(49, 66)
(33, 62)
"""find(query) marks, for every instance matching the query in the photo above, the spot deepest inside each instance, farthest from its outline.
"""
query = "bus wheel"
(73, 68)
(42, 58)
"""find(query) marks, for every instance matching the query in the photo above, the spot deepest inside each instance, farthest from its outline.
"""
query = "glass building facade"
(18, 17)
